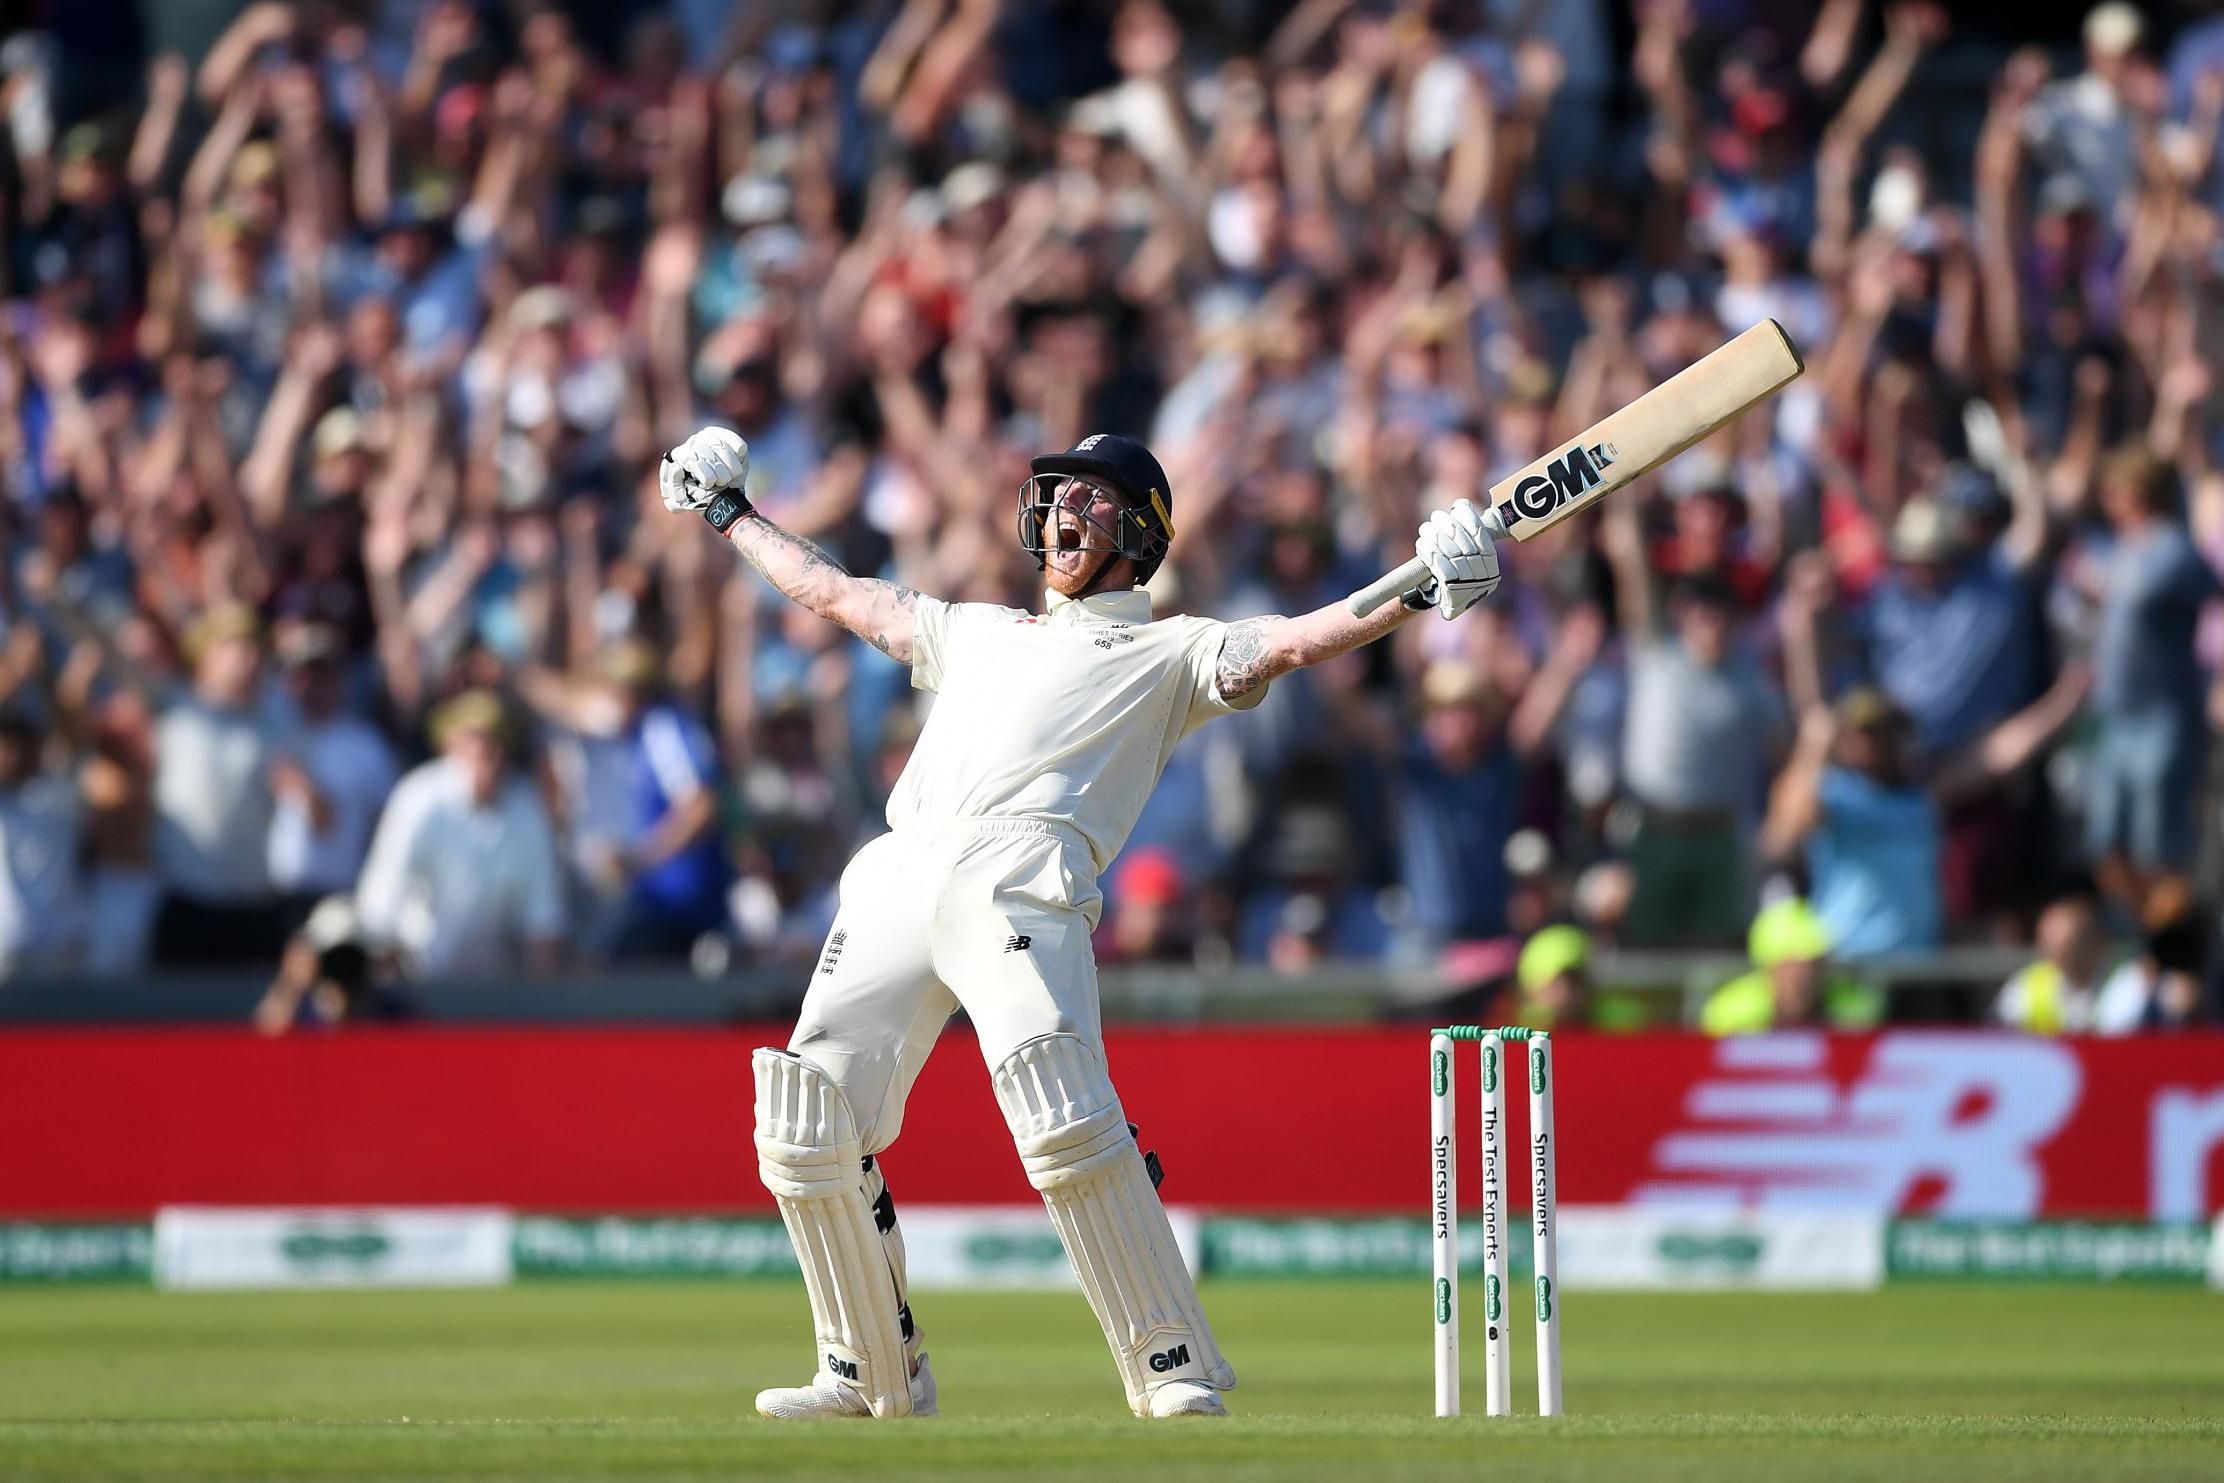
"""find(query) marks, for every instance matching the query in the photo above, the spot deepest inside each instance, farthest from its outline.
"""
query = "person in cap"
(1864, 803)
(1554, 986)
(2085, 127)
(1789, 985)
(89, 227)
(463, 876)
(1951, 638)
(341, 462)
(666, 863)
(1456, 791)
(1951, 633)
(1852, 796)
(1554, 976)
(1048, 731)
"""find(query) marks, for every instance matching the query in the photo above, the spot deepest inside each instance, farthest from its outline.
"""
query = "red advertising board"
(115, 1123)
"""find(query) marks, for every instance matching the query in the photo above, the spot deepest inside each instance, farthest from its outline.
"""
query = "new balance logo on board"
(1018, 942)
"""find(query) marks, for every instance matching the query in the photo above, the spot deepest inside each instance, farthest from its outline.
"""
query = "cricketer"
(1047, 733)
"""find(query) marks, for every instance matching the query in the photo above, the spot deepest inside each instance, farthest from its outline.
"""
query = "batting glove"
(1461, 558)
(709, 465)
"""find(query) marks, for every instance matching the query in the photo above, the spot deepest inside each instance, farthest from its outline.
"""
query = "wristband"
(726, 509)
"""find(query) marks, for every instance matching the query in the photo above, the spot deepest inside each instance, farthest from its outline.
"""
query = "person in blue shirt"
(1953, 636)
(2150, 690)
(1952, 631)
(427, 264)
(1860, 800)
(1854, 796)
(654, 847)
(1457, 791)
(674, 864)
(1458, 796)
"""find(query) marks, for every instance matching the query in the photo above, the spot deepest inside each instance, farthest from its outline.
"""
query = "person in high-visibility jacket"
(1554, 977)
(1555, 991)
(2056, 992)
(1789, 985)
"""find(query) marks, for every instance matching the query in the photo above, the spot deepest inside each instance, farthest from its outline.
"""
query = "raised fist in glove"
(1461, 558)
(707, 473)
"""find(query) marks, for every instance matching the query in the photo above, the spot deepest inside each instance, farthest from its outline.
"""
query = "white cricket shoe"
(1185, 1398)
(825, 1397)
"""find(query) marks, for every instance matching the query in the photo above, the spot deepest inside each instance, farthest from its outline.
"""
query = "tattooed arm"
(708, 475)
(878, 612)
(1256, 650)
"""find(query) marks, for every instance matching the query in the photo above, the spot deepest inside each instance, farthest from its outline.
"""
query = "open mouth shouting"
(1073, 536)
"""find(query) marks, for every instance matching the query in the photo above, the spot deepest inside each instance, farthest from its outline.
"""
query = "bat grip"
(1403, 580)
(1388, 586)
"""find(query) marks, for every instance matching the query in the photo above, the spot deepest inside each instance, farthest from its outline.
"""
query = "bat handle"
(1388, 586)
(1403, 580)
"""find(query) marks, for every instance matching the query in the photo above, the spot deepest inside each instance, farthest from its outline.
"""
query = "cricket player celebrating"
(1046, 736)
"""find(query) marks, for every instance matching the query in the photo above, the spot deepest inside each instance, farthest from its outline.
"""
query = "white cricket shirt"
(456, 886)
(1067, 717)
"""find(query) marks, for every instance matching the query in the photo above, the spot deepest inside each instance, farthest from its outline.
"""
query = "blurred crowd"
(341, 341)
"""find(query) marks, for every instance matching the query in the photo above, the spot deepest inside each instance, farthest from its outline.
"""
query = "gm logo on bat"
(1572, 475)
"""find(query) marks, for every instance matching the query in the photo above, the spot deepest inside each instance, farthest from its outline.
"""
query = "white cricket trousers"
(993, 915)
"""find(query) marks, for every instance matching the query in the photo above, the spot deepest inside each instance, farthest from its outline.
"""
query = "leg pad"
(1076, 1146)
(808, 1156)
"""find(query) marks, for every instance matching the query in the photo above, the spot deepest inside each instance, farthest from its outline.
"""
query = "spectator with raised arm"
(1703, 725)
(1863, 804)
(220, 756)
(373, 319)
(661, 863)
(334, 779)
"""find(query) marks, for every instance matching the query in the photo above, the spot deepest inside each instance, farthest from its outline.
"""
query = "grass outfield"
(653, 1381)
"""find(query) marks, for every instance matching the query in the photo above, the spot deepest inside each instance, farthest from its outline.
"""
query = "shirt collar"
(1131, 606)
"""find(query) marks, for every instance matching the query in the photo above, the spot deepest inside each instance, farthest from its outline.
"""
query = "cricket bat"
(1634, 441)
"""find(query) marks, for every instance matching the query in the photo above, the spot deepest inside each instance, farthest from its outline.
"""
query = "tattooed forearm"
(1246, 662)
(799, 568)
(1258, 649)
(880, 613)
(889, 609)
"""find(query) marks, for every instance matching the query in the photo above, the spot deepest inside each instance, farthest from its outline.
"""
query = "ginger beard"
(1078, 544)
